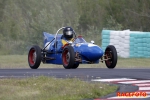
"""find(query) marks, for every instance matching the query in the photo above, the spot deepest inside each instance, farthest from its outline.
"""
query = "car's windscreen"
(80, 40)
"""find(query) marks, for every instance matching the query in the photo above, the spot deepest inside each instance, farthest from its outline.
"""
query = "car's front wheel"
(110, 56)
(34, 57)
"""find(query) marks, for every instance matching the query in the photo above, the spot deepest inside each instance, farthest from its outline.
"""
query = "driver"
(67, 35)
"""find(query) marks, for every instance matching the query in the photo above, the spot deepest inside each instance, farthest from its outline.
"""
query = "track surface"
(83, 73)
(89, 74)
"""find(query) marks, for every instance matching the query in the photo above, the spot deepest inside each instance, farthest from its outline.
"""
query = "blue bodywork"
(89, 52)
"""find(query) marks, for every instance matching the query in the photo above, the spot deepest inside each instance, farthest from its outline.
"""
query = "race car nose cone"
(92, 52)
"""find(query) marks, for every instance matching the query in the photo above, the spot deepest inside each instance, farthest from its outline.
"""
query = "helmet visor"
(69, 33)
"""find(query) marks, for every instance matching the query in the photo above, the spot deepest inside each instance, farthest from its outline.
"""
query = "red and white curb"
(144, 86)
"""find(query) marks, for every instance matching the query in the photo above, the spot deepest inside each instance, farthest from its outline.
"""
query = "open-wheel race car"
(70, 50)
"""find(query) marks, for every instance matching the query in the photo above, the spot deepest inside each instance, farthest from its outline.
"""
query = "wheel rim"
(108, 54)
(32, 56)
(66, 57)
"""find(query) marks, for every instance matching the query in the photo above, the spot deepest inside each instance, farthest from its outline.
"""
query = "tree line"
(23, 21)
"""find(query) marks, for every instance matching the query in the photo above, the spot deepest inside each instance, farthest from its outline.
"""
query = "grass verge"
(21, 61)
(45, 88)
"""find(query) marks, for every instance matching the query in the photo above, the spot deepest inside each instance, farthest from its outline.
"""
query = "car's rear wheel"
(68, 57)
(34, 57)
(75, 66)
(111, 55)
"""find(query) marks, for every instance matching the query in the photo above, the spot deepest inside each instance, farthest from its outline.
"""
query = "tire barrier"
(129, 44)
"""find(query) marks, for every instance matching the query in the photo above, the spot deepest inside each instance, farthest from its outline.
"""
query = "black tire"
(68, 57)
(112, 54)
(75, 66)
(34, 57)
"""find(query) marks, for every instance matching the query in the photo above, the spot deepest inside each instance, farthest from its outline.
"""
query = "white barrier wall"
(128, 43)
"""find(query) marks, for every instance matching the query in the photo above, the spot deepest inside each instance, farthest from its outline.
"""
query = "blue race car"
(69, 50)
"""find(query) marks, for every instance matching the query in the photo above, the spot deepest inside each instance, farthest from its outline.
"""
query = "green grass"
(21, 61)
(44, 88)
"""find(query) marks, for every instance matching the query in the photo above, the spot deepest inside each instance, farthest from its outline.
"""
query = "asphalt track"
(82, 73)
(86, 74)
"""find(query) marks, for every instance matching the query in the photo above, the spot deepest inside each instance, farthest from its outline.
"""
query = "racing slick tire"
(34, 57)
(68, 57)
(75, 66)
(111, 55)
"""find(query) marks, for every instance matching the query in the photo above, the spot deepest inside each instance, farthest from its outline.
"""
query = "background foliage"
(23, 21)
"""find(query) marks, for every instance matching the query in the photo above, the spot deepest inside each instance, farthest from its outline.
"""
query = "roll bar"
(55, 38)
